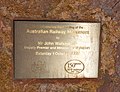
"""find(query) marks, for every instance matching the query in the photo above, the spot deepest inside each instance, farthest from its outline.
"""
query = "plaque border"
(46, 20)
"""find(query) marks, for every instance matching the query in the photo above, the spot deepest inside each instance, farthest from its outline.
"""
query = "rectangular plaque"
(50, 49)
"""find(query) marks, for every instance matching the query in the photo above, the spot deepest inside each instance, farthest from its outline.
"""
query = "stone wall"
(106, 11)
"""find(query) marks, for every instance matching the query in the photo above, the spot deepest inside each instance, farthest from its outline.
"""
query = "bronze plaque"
(50, 49)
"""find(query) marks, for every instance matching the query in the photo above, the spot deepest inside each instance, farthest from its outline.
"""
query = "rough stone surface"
(106, 11)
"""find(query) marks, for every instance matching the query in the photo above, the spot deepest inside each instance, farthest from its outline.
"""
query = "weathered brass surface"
(56, 49)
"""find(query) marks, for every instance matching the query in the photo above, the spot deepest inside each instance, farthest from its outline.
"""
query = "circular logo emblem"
(74, 66)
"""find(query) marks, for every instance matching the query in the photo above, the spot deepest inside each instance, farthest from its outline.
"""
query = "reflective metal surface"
(56, 49)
